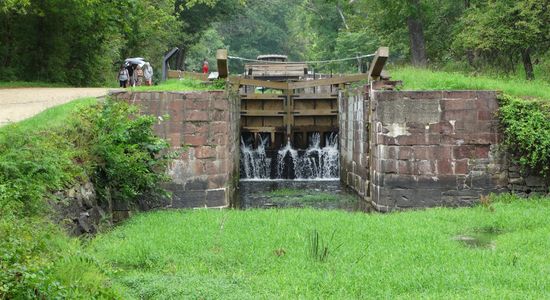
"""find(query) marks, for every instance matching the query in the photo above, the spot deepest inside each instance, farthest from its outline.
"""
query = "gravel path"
(21, 103)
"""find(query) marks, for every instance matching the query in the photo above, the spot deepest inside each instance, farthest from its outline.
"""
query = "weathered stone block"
(188, 199)
(216, 198)
(196, 184)
(196, 115)
(194, 140)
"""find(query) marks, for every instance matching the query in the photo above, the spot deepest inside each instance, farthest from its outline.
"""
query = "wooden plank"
(262, 113)
(261, 129)
(315, 112)
(327, 81)
(378, 62)
(263, 83)
(323, 96)
(262, 96)
(221, 57)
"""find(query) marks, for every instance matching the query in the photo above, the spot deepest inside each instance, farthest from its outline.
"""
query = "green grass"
(25, 84)
(52, 117)
(266, 254)
(292, 196)
(180, 85)
(424, 79)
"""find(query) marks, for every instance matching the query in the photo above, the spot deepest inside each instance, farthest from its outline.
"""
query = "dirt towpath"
(21, 103)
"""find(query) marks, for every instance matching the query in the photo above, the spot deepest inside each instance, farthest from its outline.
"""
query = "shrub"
(526, 127)
(126, 157)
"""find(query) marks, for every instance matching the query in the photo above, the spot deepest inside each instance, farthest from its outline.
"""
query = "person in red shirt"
(205, 66)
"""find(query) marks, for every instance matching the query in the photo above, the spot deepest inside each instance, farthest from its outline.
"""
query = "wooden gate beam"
(378, 63)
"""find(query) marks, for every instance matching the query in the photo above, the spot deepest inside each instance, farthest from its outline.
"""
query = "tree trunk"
(416, 35)
(527, 65)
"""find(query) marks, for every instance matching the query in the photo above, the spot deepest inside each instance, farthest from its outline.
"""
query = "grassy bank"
(424, 79)
(75, 143)
(268, 253)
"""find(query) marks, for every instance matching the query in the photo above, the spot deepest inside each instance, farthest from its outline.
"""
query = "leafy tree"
(502, 31)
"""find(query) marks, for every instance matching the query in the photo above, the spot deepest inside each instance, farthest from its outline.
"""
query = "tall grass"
(424, 79)
(263, 254)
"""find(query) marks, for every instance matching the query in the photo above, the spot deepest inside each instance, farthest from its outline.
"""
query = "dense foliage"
(82, 42)
(526, 126)
(106, 143)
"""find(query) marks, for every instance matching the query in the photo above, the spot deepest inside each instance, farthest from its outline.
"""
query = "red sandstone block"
(198, 167)
(461, 167)
(487, 100)
(443, 152)
(458, 104)
(481, 139)
(405, 152)
(223, 166)
(188, 128)
(196, 115)
(205, 152)
(459, 95)
(444, 167)
(443, 127)
(219, 115)
(197, 104)
(405, 167)
(173, 127)
(217, 181)
(413, 127)
(422, 153)
(478, 127)
(465, 115)
(419, 139)
(391, 152)
(484, 115)
(194, 140)
(221, 104)
(219, 140)
(184, 154)
(174, 106)
(211, 168)
(421, 95)
(482, 151)
(174, 139)
(221, 152)
(388, 166)
(464, 151)
(423, 167)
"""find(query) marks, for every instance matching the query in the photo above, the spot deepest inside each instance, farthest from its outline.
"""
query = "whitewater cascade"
(313, 163)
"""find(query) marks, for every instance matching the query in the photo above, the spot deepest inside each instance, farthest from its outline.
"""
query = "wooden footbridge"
(282, 102)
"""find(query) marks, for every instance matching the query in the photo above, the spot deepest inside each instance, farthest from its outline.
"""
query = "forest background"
(82, 42)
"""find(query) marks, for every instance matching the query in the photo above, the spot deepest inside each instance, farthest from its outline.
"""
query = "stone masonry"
(202, 127)
(407, 149)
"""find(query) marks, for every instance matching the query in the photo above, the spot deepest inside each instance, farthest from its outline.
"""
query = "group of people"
(135, 75)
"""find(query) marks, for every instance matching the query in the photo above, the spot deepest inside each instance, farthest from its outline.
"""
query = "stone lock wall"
(203, 128)
(435, 148)
(406, 149)
(354, 141)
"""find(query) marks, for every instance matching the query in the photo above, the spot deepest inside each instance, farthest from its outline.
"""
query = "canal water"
(281, 193)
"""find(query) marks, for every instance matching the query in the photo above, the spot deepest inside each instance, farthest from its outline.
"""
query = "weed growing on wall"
(526, 127)
(126, 155)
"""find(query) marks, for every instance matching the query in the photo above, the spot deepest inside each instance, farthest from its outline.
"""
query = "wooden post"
(378, 63)
(221, 57)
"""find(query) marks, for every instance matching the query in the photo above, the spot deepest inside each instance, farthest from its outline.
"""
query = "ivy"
(526, 127)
